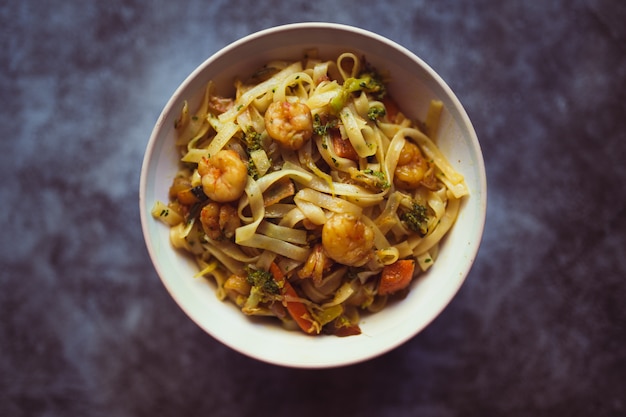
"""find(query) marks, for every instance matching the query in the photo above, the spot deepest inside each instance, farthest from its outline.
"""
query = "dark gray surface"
(538, 329)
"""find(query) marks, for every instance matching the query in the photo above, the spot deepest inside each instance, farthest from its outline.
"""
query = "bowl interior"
(413, 85)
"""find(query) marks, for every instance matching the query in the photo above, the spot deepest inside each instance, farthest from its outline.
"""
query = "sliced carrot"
(396, 276)
(296, 309)
(342, 147)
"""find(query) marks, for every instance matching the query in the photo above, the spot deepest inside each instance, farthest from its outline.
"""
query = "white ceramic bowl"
(413, 85)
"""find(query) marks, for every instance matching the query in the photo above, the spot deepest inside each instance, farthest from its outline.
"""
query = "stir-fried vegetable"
(396, 277)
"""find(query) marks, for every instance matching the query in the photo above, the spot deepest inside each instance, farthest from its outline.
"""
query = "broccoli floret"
(262, 280)
(416, 219)
(252, 139)
(264, 289)
(375, 112)
(252, 170)
(320, 128)
(368, 81)
(254, 142)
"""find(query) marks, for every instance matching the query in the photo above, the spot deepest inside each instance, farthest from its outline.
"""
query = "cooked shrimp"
(411, 167)
(316, 265)
(291, 124)
(219, 220)
(224, 176)
(348, 240)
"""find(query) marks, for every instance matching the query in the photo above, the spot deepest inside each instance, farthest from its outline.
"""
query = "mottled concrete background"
(87, 328)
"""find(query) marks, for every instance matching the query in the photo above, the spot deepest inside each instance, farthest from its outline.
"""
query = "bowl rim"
(145, 216)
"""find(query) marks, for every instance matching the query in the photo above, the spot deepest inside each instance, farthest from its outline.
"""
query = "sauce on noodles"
(309, 196)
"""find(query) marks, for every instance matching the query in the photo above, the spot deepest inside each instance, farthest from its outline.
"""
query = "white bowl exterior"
(413, 85)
